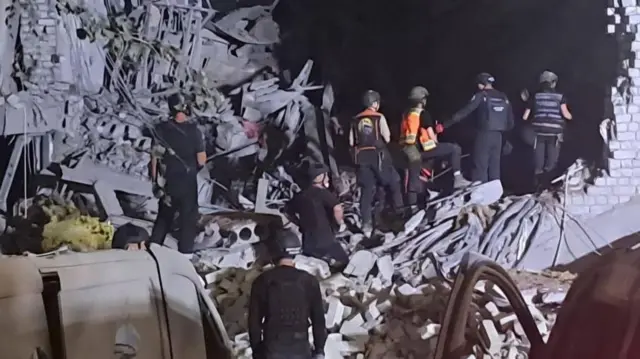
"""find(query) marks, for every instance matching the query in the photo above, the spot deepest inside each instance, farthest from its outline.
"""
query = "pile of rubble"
(369, 314)
(93, 93)
(433, 241)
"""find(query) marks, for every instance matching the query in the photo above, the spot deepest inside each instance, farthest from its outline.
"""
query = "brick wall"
(624, 180)
(38, 20)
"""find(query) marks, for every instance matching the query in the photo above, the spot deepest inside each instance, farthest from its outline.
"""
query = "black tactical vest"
(547, 115)
(366, 129)
(495, 112)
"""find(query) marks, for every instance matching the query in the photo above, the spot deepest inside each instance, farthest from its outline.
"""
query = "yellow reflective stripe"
(411, 138)
(428, 145)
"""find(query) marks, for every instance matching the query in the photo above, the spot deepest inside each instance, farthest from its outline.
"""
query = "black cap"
(284, 244)
(486, 79)
(317, 169)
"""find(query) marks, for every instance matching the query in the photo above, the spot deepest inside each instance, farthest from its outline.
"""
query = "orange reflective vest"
(411, 131)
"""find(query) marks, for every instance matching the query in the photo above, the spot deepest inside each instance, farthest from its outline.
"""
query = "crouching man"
(282, 302)
(319, 215)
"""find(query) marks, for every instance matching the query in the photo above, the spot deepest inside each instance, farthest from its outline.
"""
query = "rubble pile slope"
(368, 317)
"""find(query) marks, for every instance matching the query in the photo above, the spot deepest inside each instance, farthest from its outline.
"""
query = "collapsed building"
(83, 83)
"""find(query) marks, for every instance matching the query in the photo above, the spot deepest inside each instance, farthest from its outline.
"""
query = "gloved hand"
(158, 192)
(439, 128)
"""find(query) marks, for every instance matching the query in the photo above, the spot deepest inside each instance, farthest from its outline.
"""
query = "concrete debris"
(96, 80)
(366, 319)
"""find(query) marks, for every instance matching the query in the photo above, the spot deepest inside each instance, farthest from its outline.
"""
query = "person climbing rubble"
(368, 137)
(550, 112)
(178, 156)
(282, 302)
(419, 143)
(320, 215)
(494, 117)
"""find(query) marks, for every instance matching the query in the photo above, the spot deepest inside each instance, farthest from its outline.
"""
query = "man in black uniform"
(368, 136)
(282, 302)
(494, 116)
(550, 110)
(320, 214)
(183, 155)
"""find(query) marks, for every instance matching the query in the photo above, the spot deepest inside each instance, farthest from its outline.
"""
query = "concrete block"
(372, 313)
(361, 264)
(385, 268)
(335, 312)
(352, 328)
(554, 297)
(599, 191)
(625, 190)
(494, 338)
(47, 22)
(626, 136)
(429, 331)
(624, 154)
(492, 309)
(624, 118)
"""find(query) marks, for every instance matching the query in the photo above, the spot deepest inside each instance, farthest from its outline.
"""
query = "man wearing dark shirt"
(550, 112)
(494, 117)
(282, 302)
(183, 155)
(319, 213)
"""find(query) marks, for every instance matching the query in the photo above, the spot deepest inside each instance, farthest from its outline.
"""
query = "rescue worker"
(420, 142)
(494, 117)
(368, 137)
(282, 302)
(550, 111)
(320, 215)
(182, 156)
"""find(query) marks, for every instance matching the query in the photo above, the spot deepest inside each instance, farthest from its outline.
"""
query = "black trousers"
(546, 151)
(487, 153)
(375, 169)
(327, 249)
(183, 194)
(449, 151)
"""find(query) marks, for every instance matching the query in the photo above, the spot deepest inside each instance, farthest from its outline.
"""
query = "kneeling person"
(319, 215)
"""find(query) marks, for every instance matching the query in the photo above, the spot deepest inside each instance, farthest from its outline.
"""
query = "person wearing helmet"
(368, 137)
(419, 143)
(494, 115)
(282, 302)
(320, 215)
(181, 156)
(550, 111)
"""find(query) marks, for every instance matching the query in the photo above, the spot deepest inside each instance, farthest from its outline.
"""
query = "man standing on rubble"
(182, 150)
(419, 143)
(320, 214)
(282, 302)
(368, 137)
(550, 111)
(494, 116)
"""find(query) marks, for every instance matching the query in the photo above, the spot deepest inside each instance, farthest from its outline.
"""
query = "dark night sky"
(390, 46)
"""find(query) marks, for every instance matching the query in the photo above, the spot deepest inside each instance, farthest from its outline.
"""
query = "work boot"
(460, 182)
(367, 229)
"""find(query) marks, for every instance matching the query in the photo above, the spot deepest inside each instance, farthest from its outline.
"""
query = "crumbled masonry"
(79, 99)
(369, 317)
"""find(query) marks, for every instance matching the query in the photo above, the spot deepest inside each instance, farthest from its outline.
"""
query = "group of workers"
(284, 299)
